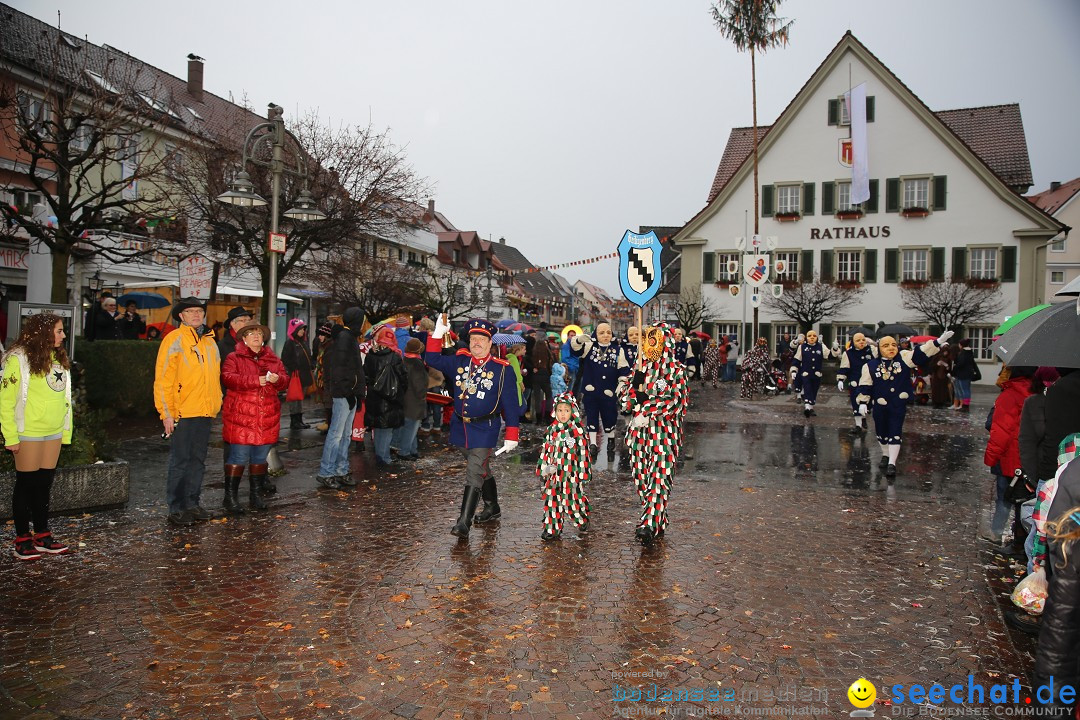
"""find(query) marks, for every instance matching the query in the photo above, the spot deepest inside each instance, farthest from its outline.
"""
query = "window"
(779, 330)
(791, 266)
(849, 265)
(916, 193)
(1057, 277)
(458, 292)
(844, 333)
(457, 256)
(400, 255)
(1058, 246)
(722, 260)
(845, 111)
(913, 264)
(158, 105)
(729, 329)
(174, 160)
(414, 259)
(982, 263)
(843, 197)
(25, 200)
(981, 339)
(101, 82)
(33, 113)
(788, 199)
(194, 114)
(361, 248)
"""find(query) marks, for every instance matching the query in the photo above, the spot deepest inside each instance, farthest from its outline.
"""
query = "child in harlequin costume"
(852, 360)
(599, 379)
(809, 358)
(885, 384)
(565, 467)
(656, 395)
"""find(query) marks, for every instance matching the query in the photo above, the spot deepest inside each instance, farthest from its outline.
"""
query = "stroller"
(776, 381)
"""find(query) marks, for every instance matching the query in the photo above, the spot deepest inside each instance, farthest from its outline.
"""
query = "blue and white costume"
(851, 365)
(809, 360)
(599, 379)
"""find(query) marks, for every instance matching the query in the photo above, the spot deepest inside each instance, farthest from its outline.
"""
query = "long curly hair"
(36, 339)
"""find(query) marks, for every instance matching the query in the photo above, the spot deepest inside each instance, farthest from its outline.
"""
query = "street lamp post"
(242, 193)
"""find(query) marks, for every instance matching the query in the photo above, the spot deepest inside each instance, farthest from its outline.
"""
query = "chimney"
(195, 77)
(1054, 185)
(502, 241)
(431, 207)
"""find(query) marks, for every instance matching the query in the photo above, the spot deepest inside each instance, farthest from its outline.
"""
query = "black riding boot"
(468, 507)
(233, 475)
(610, 442)
(266, 486)
(296, 422)
(490, 493)
(256, 484)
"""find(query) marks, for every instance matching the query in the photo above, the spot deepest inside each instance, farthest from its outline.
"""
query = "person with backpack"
(387, 380)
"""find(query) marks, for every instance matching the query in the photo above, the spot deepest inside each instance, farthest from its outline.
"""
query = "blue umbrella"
(143, 300)
(507, 339)
(503, 323)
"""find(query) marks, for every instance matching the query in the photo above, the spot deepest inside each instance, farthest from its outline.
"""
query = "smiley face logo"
(862, 693)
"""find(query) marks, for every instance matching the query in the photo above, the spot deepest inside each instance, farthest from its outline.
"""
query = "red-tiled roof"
(740, 145)
(1050, 201)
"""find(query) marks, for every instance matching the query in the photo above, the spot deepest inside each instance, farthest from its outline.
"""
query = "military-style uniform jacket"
(808, 358)
(851, 364)
(889, 381)
(599, 365)
(484, 392)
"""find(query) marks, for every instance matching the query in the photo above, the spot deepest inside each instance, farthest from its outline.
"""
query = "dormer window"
(101, 82)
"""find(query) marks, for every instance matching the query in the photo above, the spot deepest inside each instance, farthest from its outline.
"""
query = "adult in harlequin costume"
(755, 370)
(809, 358)
(599, 379)
(656, 395)
(565, 466)
(851, 365)
(484, 389)
(886, 384)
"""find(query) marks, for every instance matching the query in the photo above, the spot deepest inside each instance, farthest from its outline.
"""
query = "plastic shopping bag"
(1030, 593)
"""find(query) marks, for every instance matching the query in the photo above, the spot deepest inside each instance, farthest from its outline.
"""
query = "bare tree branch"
(811, 302)
(692, 309)
(953, 304)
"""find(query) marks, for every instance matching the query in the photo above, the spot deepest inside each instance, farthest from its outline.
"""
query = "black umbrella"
(896, 330)
(1050, 337)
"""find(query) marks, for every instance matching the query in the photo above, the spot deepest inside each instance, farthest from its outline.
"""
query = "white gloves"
(800, 339)
(577, 342)
(835, 348)
(793, 372)
(840, 385)
(546, 470)
(862, 409)
(639, 421)
(508, 445)
(944, 337)
(441, 328)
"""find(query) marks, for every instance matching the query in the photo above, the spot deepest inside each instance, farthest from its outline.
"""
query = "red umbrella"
(918, 339)
(703, 335)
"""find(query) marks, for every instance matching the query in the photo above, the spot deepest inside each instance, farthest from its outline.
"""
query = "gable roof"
(465, 240)
(1012, 167)
(510, 256)
(1054, 199)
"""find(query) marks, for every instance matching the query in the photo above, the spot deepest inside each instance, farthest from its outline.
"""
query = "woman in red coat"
(253, 375)
(1002, 454)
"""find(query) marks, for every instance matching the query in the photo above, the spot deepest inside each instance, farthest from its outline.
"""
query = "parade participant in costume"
(684, 353)
(886, 384)
(628, 350)
(710, 364)
(599, 379)
(485, 393)
(656, 396)
(565, 466)
(851, 364)
(809, 358)
(755, 369)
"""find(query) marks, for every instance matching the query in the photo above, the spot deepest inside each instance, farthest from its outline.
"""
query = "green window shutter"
(1008, 264)
(808, 198)
(869, 108)
(869, 266)
(766, 201)
(827, 266)
(939, 192)
(892, 195)
(826, 333)
(708, 267)
(806, 269)
(937, 264)
(827, 189)
(871, 205)
(892, 265)
(959, 264)
(834, 111)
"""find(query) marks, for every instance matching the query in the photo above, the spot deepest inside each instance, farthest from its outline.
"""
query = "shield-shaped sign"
(777, 290)
(639, 267)
(732, 267)
(755, 299)
(846, 154)
(756, 269)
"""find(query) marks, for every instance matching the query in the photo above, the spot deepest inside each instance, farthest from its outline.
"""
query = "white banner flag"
(860, 165)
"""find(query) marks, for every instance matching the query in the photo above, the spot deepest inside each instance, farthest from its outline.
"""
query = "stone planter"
(83, 487)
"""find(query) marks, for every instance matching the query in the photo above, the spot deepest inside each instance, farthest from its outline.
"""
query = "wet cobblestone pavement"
(792, 567)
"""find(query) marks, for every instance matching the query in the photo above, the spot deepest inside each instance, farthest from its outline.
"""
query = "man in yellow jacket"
(187, 393)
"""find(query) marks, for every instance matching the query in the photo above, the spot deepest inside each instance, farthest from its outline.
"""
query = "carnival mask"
(603, 334)
(887, 347)
(811, 337)
(633, 334)
(652, 345)
(859, 341)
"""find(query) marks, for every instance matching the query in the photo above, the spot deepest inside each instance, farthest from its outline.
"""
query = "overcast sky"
(559, 124)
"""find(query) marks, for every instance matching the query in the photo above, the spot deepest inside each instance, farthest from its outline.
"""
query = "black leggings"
(30, 499)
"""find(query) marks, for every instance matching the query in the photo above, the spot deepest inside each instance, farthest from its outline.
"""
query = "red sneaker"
(24, 548)
(45, 543)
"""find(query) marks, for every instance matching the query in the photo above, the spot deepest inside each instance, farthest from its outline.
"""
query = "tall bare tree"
(378, 286)
(453, 291)
(752, 25)
(359, 177)
(87, 136)
(952, 305)
(692, 309)
(811, 302)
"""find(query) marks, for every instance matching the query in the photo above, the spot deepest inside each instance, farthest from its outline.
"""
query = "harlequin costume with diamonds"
(885, 386)
(484, 389)
(599, 379)
(656, 396)
(565, 465)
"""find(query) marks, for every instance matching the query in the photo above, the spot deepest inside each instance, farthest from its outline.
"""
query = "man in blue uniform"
(484, 389)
